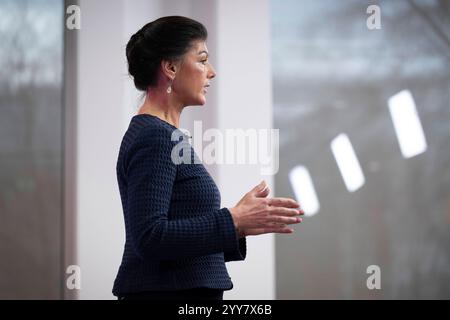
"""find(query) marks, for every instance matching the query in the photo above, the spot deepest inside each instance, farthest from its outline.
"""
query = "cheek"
(194, 79)
(198, 76)
(201, 70)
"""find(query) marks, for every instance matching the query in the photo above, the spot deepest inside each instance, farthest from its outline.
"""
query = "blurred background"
(362, 113)
(333, 76)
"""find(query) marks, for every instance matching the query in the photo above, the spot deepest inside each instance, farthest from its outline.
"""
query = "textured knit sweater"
(177, 236)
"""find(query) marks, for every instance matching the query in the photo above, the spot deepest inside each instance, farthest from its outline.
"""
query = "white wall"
(100, 235)
(245, 101)
(239, 98)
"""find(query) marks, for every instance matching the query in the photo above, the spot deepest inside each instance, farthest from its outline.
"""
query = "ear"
(169, 68)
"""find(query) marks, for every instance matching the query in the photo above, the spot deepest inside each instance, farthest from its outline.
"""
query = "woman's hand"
(256, 214)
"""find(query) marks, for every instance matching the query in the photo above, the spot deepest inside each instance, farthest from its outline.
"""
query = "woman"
(177, 236)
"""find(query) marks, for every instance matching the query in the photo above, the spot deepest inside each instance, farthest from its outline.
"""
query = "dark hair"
(167, 38)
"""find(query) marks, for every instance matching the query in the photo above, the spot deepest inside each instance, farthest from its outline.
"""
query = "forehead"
(198, 46)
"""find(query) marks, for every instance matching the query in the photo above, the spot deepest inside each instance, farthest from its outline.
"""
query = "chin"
(201, 101)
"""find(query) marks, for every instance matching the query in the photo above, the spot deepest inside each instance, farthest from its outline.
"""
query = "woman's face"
(194, 75)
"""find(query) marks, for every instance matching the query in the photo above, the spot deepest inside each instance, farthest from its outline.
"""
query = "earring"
(169, 89)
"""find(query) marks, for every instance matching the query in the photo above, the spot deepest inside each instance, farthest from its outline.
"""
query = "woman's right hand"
(256, 214)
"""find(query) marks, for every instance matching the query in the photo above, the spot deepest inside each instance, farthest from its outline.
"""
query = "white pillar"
(100, 227)
(245, 101)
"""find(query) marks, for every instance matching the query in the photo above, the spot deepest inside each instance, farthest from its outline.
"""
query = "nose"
(211, 72)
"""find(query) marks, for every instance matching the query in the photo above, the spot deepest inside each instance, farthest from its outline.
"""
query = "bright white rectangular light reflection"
(347, 162)
(304, 190)
(408, 128)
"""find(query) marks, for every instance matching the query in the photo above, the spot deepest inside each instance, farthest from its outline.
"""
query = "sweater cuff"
(239, 254)
(234, 248)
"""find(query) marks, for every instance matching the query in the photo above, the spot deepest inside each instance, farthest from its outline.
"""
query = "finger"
(279, 230)
(281, 211)
(284, 202)
(284, 230)
(258, 231)
(263, 193)
(255, 231)
(279, 225)
(284, 220)
(259, 188)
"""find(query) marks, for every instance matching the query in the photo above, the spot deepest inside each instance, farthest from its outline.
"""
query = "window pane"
(364, 135)
(31, 58)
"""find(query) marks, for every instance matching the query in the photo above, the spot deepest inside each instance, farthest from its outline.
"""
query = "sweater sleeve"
(237, 255)
(150, 177)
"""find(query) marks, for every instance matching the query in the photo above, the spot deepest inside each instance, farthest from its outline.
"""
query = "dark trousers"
(198, 294)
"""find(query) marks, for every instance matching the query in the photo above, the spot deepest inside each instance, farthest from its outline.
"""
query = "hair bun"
(165, 38)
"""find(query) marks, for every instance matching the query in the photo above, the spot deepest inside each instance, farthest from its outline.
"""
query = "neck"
(162, 105)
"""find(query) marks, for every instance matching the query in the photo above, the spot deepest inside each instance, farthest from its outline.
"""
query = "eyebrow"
(207, 54)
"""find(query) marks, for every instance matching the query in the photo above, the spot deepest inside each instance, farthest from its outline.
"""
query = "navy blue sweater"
(177, 236)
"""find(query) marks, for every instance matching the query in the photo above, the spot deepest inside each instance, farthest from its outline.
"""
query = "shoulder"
(151, 148)
(154, 132)
(151, 130)
(154, 135)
